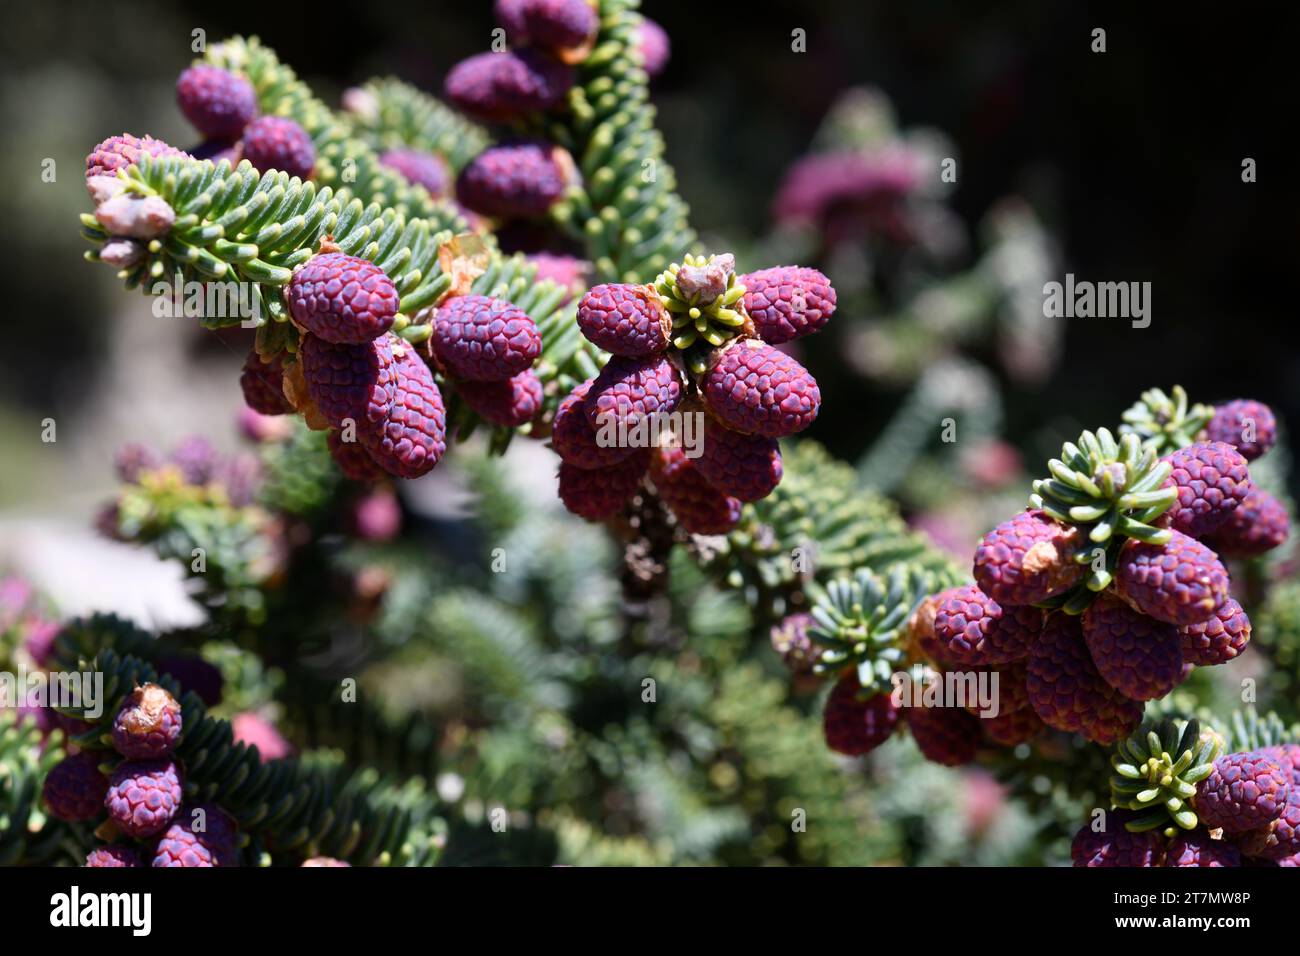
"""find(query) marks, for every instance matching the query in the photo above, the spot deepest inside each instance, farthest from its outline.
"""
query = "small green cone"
(863, 621)
(1165, 423)
(702, 294)
(1156, 770)
(1112, 491)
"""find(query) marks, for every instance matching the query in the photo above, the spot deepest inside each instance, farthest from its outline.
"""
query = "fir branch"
(344, 162)
(229, 554)
(1276, 634)
(27, 835)
(313, 716)
(500, 648)
(234, 224)
(389, 114)
(401, 746)
(817, 523)
(291, 809)
(1059, 780)
(949, 387)
(299, 477)
(1247, 729)
(626, 210)
(408, 116)
(787, 768)
(698, 826)
(239, 224)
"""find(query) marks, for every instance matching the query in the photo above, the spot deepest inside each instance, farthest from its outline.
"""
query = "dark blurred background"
(1132, 159)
